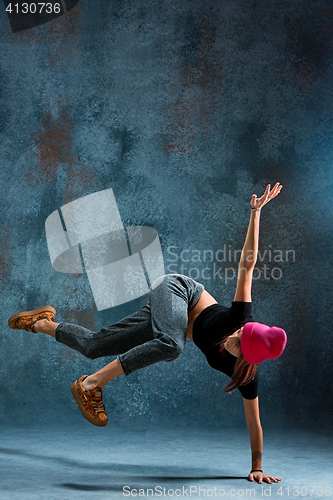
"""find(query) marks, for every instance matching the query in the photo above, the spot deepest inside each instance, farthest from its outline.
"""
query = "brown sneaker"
(26, 319)
(90, 403)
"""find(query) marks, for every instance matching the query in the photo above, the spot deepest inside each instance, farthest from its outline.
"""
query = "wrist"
(256, 462)
(256, 209)
(256, 470)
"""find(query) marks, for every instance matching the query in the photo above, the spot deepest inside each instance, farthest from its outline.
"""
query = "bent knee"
(90, 352)
(173, 350)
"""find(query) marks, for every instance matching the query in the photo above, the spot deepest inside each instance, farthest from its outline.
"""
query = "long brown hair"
(243, 372)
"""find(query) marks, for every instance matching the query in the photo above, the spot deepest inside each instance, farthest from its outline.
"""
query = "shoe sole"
(32, 313)
(82, 409)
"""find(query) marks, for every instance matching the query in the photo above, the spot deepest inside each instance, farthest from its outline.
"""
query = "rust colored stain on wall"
(64, 38)
(80, 181)
(191, 111)
(52, 147)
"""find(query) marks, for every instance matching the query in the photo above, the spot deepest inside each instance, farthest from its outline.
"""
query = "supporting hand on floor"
(260, 477)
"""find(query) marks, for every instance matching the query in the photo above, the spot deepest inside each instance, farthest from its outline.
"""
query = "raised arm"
(249, 253)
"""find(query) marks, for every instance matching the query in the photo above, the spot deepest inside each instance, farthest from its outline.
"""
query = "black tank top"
(212, 324)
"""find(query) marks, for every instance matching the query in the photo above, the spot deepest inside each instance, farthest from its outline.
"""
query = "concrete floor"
(86, 462)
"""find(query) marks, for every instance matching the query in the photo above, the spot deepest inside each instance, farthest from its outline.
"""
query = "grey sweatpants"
(157, 332)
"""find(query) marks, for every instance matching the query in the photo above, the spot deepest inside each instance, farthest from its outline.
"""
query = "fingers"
(276, 189)
(263, 477)
(272, 193)
(267, 196)
(266, 193)
(270, 479)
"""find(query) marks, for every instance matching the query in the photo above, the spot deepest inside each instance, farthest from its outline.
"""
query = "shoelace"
(98, 404)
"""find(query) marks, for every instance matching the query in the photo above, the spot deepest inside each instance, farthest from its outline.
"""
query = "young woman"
(178, 307)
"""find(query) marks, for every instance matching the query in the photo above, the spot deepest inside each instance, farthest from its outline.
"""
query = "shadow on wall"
(163, 473)
(160, 479)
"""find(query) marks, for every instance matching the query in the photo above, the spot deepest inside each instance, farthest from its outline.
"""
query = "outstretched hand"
(268, 195)
(260, 477)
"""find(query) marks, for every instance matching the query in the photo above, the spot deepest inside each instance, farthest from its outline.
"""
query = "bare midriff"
(204, 301)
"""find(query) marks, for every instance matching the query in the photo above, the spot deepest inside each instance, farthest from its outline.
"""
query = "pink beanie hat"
(260, 342)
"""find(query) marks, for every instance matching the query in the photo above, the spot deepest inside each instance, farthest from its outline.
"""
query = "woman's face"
(233, 343)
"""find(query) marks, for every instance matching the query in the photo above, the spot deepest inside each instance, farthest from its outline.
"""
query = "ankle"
(40, 325)
(90, 383)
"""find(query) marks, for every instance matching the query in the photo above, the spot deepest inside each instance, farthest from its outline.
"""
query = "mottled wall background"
(185, 109)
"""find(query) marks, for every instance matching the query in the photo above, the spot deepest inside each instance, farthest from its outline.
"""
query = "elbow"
(247, 268)
(248, 259)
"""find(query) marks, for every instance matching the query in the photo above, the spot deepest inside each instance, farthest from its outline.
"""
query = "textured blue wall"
(185, 109)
